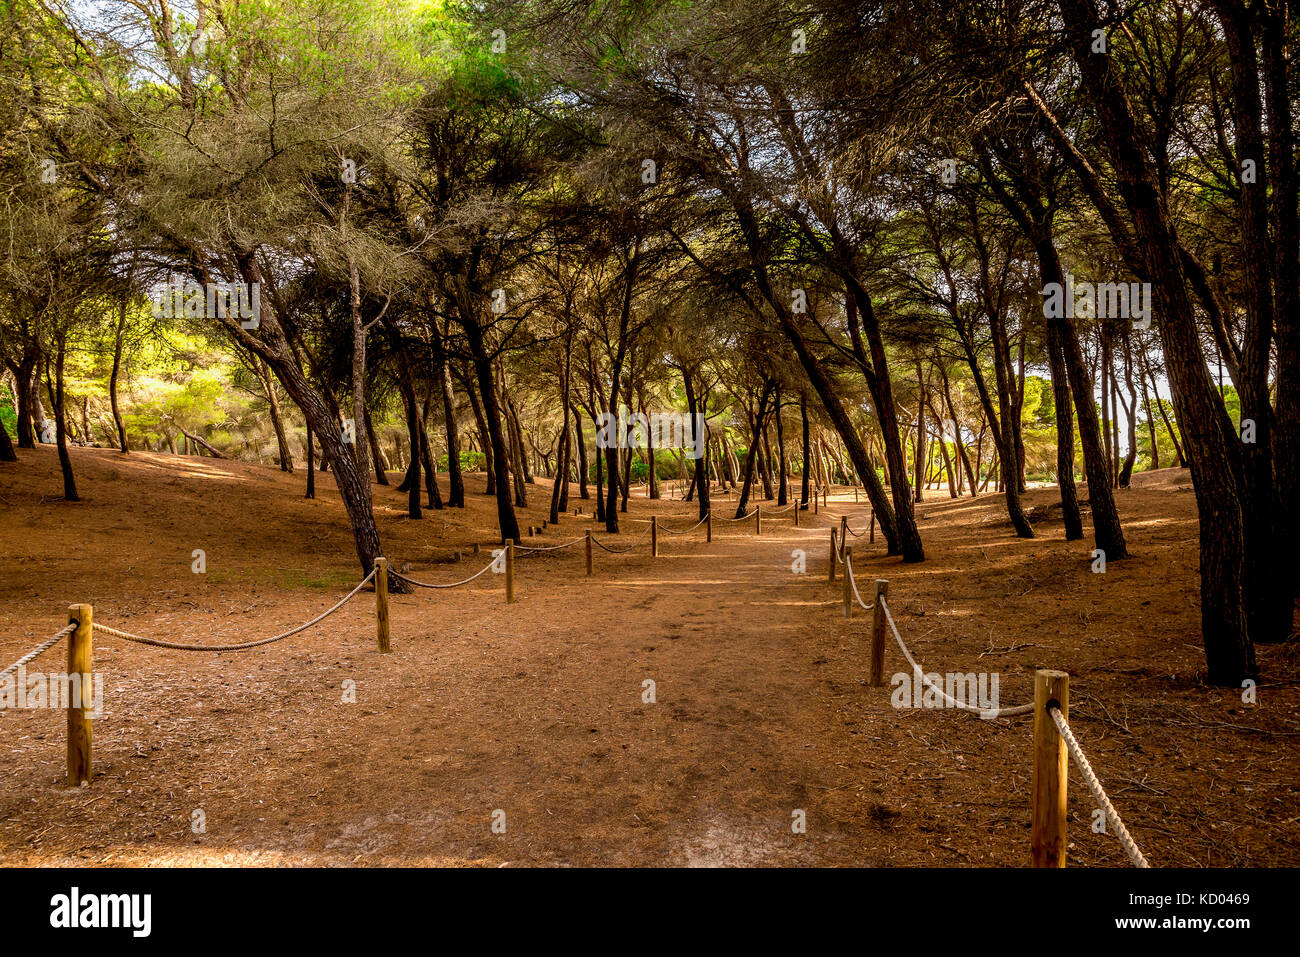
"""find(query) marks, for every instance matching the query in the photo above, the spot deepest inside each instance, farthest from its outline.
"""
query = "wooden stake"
(588, 553)
(873, 526)
(758, 520)
(878, 626)
(381, 605)
(510, 571)
(654, 536)
(796, 514)
(708, 525)
(848, 584)
(1050, 778)
(830, 576)
(844, 533)
(80, 662)
(815, 500)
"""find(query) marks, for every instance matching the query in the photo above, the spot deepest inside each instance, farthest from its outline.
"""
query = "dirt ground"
(536, 709)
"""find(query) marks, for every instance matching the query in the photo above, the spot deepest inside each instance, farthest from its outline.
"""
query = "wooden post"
(855, 495)
(844, 533)
(848, 584)
(1050, 778)
(510, 571)
(80, 662)
(796, 514)
(381, 605)
(873, 525)
(878, 626)
(708, 525)
(830, 575)
(588, 553)
(758, 520)
(654, 536)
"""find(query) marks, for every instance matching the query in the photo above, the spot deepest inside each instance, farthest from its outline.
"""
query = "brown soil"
(536, 708)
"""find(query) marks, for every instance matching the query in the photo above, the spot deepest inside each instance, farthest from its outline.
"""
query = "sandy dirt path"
(536, 709)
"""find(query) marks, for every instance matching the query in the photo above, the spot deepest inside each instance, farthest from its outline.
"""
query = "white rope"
(412, 581)
(631, 545)
(683, 531)
(920, 674)
(1094, 785)
(39, 650)
(547, 548)
(239, 647)
(848, 565)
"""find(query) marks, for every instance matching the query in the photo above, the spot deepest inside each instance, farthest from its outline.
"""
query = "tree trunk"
(581, 442)
(919, 463)
(1146, 402)
(376, 453)
(60, 417)
(118, 336)
(412, 481)
(783, 483)
(751, 460)
(455, 480)
(807, 451)
(1210, 436)
(485, 439)
(311, 465)
(7, 452)
(506, 519)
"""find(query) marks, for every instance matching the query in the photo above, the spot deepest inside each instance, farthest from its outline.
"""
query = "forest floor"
(536, 709)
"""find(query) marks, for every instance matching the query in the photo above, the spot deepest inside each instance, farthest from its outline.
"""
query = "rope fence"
(39, 650)
(241, 646)
(1054, 741)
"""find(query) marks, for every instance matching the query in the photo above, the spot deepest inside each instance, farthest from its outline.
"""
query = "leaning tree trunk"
(506, 518)
(272, 344)
(1050, 271)
(1010, 460)
(875, 370)
(1209, 435)
(1268, 586)
(900, 531)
